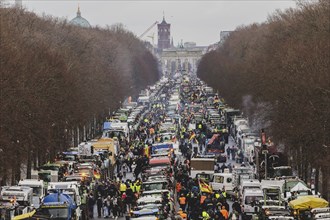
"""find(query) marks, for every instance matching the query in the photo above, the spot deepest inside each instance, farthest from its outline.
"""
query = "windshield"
(156, 194)
(56, 213)
(44, 176)
(154, 186)
(277, 212)
(118, 134)
(250, 199)
(283, 172)
(50, 167)
(161, 151)
(150, 205)
(36, 190)
(250, 187)
(69, 158)
(204, 176)
(160, 165)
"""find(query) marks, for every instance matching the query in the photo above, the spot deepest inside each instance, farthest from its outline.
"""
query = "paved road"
(130, 176)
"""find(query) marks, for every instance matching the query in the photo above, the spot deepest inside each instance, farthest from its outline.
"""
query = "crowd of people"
(116, 196)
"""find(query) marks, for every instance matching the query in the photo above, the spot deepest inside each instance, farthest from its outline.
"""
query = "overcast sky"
(197, 21)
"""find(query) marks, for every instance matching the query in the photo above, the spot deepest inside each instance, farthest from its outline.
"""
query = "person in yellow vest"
(217, 195)
(146, 150)
(183, 129)
(205, 215)
(122, 187)
(132, 186)
(138, 186)
(224, 194)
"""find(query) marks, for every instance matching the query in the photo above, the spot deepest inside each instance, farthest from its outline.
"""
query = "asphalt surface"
(130, 176)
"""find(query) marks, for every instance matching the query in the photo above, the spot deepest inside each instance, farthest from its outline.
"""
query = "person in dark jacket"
(99, 203)
(90, 203)
(236, 206)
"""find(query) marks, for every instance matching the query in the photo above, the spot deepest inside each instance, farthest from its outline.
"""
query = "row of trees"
(278, 73)
(59, 82)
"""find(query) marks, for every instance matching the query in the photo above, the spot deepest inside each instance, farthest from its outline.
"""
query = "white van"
(249, 199)
(249, 184)
(222, 180)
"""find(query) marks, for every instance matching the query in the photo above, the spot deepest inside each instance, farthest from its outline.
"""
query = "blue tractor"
(57, 206)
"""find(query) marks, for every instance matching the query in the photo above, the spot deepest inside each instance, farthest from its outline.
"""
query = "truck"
(21, 194)
(15, 200)
(68, 188)
(37, 186)
(115, 128)
(229, 114)
(58, 206)
(202, 167)
(250, 200)
(45, 175)
(85, 149)
(272, 189)
(249, 184)
(240, 174)
(108, 144)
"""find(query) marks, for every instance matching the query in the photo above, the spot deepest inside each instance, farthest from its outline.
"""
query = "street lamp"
(264, 149)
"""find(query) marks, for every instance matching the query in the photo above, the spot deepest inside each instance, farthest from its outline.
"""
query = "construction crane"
(144, 33)
(152, 37)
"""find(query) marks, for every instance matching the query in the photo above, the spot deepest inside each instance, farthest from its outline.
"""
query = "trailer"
(202, 167)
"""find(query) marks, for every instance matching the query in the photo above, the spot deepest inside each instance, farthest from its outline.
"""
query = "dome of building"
(80, 21)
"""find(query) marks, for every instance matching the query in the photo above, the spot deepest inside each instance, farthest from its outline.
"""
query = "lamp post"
(265, 152)
(264, 149)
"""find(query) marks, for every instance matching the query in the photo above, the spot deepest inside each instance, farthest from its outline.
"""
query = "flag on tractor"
(204, 187)
(192, 136)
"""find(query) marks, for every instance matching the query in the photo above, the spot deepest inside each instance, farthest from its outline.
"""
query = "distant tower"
(80, 21)
(164, 35)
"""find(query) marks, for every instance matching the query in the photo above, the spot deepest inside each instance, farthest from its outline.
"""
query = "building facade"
(181, 59)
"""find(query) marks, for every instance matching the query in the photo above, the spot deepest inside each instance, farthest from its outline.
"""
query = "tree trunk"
(316, 183)
(28, 163)
(325, 182)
